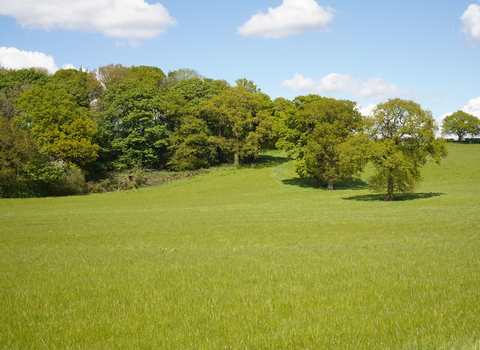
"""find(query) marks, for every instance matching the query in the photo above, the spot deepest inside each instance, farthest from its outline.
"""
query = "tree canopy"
(325, 136)
(405, 140)
(461, 124)
(62, 128)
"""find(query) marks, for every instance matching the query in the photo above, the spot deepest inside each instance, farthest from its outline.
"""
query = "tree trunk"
(236, 159)
(389, 196)
(319, 183)
(330, 186)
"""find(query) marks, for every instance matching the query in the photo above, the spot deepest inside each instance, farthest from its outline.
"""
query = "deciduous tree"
(241, 120)
(405, 141)
(133, 125)
(461, 124)
(63, 129)
(325, 136)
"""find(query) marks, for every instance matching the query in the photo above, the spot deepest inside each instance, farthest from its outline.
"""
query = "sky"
(365, 51)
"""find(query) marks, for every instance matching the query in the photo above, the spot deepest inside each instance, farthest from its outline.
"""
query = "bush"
(71, 183)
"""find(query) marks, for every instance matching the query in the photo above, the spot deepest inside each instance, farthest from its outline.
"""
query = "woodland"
(79, 131)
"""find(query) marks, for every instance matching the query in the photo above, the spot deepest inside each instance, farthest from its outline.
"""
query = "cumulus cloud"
(13, 58)
(471, 23)
(292, 17)
(473, 107)
(376, 88)
(130, 20)
(68, 66)
(367, 110)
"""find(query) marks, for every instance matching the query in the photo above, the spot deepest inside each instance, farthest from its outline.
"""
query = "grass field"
(249, 258)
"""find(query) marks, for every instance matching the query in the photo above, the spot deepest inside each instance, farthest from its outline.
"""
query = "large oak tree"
(405, 141)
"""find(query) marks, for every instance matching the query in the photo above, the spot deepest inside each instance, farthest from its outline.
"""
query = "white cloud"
(68, 66)
(473, 107)
(292, 17)
(471, 23)
(130, 20)
(13, 58)
(367, 110)
(376, 88)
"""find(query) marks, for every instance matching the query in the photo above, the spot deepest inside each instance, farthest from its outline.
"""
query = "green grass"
(248, 258)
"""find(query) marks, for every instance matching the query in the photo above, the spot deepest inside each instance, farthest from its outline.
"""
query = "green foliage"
(461, 124)
(405, 140)
(113, 74)
(17, 151)
(72, 182)
(14, 82)
(192, 146)
(178, 75)
(81, 85)
(63, 128)
(324, 135)
(241, 120)
(131, 179)
(147, 74)
(133, 126)
(10, 78)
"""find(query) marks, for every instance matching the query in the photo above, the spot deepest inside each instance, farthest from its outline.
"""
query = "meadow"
(247, 258)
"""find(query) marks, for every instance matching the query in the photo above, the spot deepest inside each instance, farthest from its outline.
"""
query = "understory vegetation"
(251, 257)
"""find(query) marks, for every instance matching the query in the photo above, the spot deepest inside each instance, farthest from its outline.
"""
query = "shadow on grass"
(398, 197)
(267, 161)
(310, 182)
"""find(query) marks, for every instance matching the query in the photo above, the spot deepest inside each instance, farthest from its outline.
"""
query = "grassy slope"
(248, 258)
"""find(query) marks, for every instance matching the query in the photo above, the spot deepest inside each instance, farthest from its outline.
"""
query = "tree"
(192, 145)
(241, 120)
(113, 74)
(180, 74)
(24, 171)
(62, 128)
(404, 136)
(147, 74)
(461, 124)
(81, 85)
(325, 136)
(14, 82)
(133, 126)
(17, 77)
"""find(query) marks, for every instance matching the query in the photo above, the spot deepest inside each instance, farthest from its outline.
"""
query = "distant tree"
(15, 81)
(147, 74)
(113, 74)
(247, 85)
(241, 121)
(178, 75)
(10, 78)
(16, 150)
(325, 136)
(81, 85)
(24, 171)
(461, 124)
(405, 141)
(192, 145)
(133, 126)
(63, 129)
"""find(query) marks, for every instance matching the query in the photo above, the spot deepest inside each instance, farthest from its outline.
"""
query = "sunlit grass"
(247, 258)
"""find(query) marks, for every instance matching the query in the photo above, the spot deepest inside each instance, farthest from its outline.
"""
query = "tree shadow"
(304, 182)
(310, 182)
(398, 197)
(267, 161)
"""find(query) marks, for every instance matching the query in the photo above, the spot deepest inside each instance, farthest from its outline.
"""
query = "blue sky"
(365, 51)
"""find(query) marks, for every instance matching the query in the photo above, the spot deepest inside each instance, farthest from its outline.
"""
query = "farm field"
(247, 258)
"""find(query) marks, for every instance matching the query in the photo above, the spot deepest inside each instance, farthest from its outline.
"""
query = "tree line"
(59, 130)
